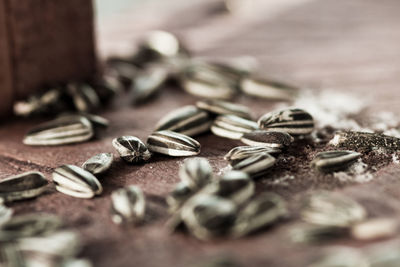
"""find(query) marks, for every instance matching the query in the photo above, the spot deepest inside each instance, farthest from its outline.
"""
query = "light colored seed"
(220, 107)
(375, 229)
(173, 144)
(74, 181)
(326, 208)
(131, 149)
(128, 205)
(260, 212)
(61, 131)
(293, 121)
(342, 257)
(207, 216)
(5, 213)
(240, 153)
(267, 89)
(99, 163)
(147, 83)
(23, 186)
(188, 120)
(179, 195)
(232, 127)
(196, 172)
(256, 165)
(271, 139)
(334, 160)
(309, 233)
(206, 89)
(84, 97)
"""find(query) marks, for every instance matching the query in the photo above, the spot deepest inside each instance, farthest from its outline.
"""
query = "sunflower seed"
(263, 211)
(375, 229)
(173, 144)
(293, 121)
(317, 233)
(267, 89)
(99, 163)
(330, 209)
(163, 43)
(84, 97)
(148, 83)
(29, 225)
(271, 139)
(361, 141)
(196, 172)
(188, 120)
(232, 127)
(334, 160)
(10, 256)
(237, 154)
(61, 131)
(205, 89)
(224, 108)
(23, 186)
(208, 216)
(179, 195)
(256, 165)
(128, 205)
(131, 149)
(5, 213)
(342, 257)
(74, 181)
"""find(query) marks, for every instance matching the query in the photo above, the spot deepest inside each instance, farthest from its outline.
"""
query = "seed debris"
(131, 149)
(173, 144)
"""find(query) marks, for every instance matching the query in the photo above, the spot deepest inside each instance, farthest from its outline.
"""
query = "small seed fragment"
(196, 172)
(256, 165)
(271, 139)
(375, 228)
(179, 195)
(74, 181)
(173, 144)
(328, 161)
(232, 127)
(267, 89)
(188, 120)
(128, 205)
(23, 186)
(293, 121)
(220, 107)
(131, 149)
(237, 154)
(99, 163)
(61, 131)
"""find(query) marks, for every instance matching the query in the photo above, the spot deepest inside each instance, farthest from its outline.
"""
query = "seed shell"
(173, 144)
(267, 89)
(220, 107)
(256, 165)
(128, 205)
(334, 160)
(76, 182)
(131, 149)
(196, 172)
(237, 154)
(271, 139)
(99, 163)
(23, 186)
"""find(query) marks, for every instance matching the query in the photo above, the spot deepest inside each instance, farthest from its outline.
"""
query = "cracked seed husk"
(267, 89)
(232, 127)
(61, 131)
(128, 205)
(220, 107)
(334, 160)
(74, 181)
(99, 163)
(131, 149)
(271, 139)
(239, 153)
(173, 144)
(196, 172)
(256, 165)
(23, 186)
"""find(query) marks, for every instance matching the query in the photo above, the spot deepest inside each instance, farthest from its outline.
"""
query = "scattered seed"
(23, 186)
(128, 205)
(61, 131)
(206, 89)
(148, 83)
(173, 144)
(219, 107)
(232, 127)
(188, 120)
(293, 121)
(99, 163)
(374, 229)
(179, 195)
(74, 181)
(237, 154)
(131, 149)
(256, 165)
(267, 89)
(317, 233)
(196, 172)
(271, 139)
(328, 161)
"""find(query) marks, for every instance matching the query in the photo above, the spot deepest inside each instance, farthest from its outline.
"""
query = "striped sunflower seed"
(268, 89)
(74, 181)
(232, 127)
(128, 205)
(220, 107)
(99, 163)
(205, 89)
(237, 154)
(188, 120)
(173, 144)
(335, 160)
(148, 83)
(179, 195)
(131, 149)
(5, 213)
(373, 229)
(84, 97)
(207, 216)
(29, 225)
(61, 131)
(23, 186)
(293, 121)
(325, 208)
(256, 165)
(261, 212)
(271, 139)
(196, 172)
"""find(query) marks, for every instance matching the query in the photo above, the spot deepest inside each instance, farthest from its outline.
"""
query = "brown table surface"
(349, 46)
